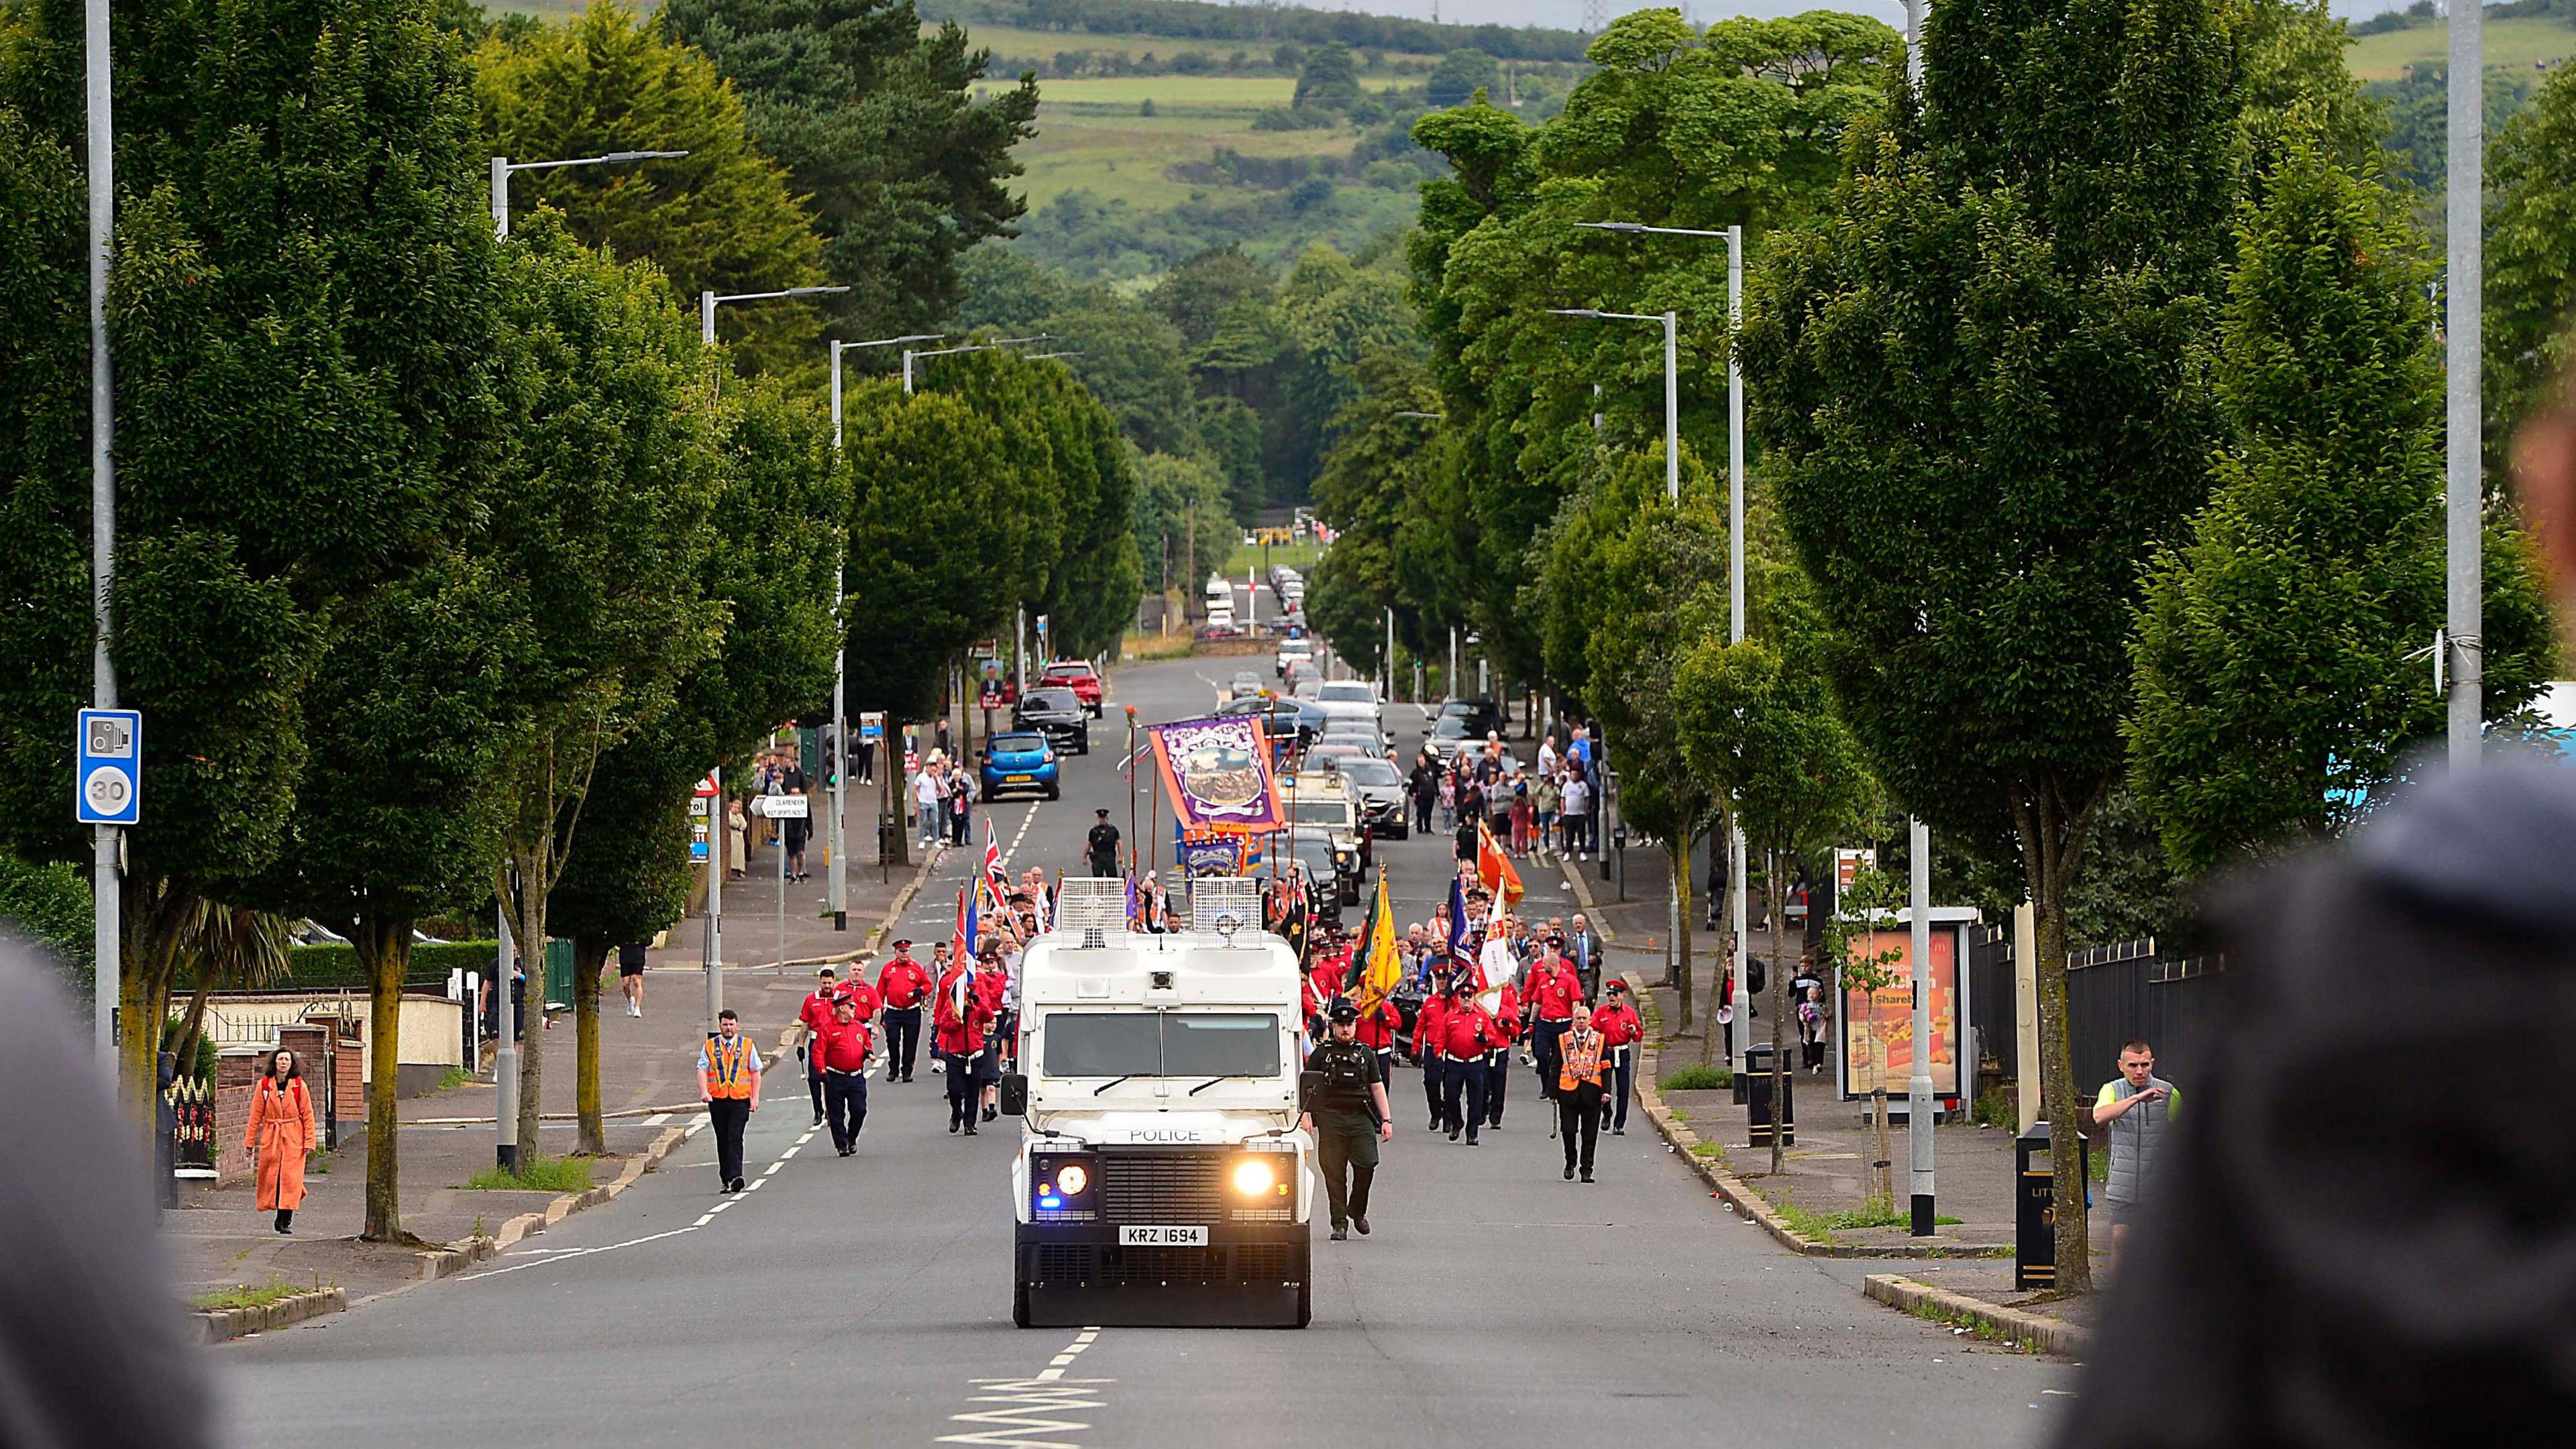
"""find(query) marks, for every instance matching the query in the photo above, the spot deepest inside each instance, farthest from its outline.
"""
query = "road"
(866, 1300)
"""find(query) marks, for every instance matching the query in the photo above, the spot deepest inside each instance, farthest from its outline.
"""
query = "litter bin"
(1757, 1099)
(886, 828)
(2035, 1206)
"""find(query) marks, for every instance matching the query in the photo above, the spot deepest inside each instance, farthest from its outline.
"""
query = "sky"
(1568, 14)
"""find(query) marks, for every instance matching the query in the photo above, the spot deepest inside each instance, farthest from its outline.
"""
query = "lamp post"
(708, 302)
(1734, 238)
(2464, 443)
(997, 342)
(838, 886)
(503, 168)
(106, 878)
(1918, 1083)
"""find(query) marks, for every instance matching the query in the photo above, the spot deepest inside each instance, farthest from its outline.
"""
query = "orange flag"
(1494, 868)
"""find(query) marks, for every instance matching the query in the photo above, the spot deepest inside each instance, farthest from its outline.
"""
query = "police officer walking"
(1102, 846)
(1346, 1114)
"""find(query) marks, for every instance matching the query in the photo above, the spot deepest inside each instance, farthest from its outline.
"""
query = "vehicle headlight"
(1254, 1177)
(1071, 1180)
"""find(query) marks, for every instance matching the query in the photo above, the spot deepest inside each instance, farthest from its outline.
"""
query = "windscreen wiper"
(1212, 1081)
(1113, 1081)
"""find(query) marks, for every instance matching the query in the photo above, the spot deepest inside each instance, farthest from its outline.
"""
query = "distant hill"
(1256, 26)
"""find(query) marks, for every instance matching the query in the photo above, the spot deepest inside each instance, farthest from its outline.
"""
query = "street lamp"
(1672, 383)
(839, 886)
(709, 301)
(1734, 238)
(503, 168)
(973, 347)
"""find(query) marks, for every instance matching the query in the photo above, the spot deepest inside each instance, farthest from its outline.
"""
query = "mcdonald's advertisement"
(1878, 1031)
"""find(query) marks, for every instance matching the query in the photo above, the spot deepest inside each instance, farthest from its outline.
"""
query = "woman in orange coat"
(281, 1133)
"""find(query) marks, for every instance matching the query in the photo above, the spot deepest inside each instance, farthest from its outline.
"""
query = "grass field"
(1045, 44)
(2518, 44)
(1120, 153)
(1205, 93)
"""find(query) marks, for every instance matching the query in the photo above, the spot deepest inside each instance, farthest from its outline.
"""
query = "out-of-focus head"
(2544, 465)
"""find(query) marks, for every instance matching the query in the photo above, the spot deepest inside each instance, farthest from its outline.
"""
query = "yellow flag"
(1385, 968)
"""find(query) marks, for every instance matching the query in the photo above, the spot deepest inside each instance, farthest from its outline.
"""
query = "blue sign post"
(108, 786)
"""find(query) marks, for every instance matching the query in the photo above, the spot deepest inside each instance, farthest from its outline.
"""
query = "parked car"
(1056, 712)
(1019, 762)
(1293, 653)
(1079, 676)
(1247, 685)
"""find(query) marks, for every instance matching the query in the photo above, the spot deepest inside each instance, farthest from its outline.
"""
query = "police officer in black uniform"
(1347, 1116)
(1103, 843)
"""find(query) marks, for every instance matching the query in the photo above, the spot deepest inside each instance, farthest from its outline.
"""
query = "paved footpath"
(867, 1299)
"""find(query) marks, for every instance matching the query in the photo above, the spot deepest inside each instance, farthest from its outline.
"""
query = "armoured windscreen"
(1161, 1044)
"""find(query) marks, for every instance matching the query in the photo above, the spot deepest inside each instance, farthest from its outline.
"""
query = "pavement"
(867, 1298)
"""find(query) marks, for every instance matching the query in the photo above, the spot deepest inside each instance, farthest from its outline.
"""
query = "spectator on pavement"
(2133, 1110)
(2361, 1232)
(737, 839)
(281, 1136)
(630, 975)
(1577, 806)
(926, 799)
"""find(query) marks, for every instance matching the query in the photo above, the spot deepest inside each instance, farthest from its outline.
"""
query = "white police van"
(1161, 1178)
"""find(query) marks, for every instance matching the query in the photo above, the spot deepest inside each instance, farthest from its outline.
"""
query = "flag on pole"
(995, 878)
(1385, 969)
(1457, 921)
(1494, 869)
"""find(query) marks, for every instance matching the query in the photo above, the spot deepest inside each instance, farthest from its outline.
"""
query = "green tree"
(1978, 381)
(1460, 74)
(301, 314)
(1328, 80)
(721, 218)
(1196, 295)
(2273, 686)
(877, 126)
(1181, 518)
(601, 522)
(769, 576)
(2530, 257)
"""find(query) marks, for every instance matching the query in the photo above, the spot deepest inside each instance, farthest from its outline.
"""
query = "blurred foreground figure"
(2365, 1233)
(91, 1351)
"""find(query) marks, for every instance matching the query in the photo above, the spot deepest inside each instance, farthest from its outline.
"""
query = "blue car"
(1022, 760)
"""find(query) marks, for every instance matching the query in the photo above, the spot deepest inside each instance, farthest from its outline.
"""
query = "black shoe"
(952, 1126)
(1453, 1135)
(1434, 1127)
(1360, 1222)
(1472, 1142)
(970, 1129)
(907, 1077)
(1618, 1131)
(992, 1112)
(818, 1119)
(738, 1185)
(1341, 1235)
(1569, 1172)
(1587, 1177)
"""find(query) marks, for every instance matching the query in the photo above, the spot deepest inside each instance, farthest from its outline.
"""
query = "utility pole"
(106, 875)
(1918, 1085)
(716, 867)
(839, 846)
(505, 1052)
(2464, 473)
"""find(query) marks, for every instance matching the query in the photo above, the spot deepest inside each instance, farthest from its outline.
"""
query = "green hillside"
(2523, 43)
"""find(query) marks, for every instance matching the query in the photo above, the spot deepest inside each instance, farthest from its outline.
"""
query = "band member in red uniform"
(1554, 992)
(961, 1022)
(1426, 1049)
(993, 985)
(1620, 1031)
(1506, 1016)
(901, 987)
(841, 1051)
(1376, 1030)
(816, 1014)
(1468, 1035)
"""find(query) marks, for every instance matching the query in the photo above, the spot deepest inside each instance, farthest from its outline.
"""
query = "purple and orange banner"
(1217, 772)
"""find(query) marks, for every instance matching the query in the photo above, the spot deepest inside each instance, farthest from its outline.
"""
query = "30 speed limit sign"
(110, 774)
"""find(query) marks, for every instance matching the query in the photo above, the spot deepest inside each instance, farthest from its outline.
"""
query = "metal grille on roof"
(1216, 896)
(1091, 903)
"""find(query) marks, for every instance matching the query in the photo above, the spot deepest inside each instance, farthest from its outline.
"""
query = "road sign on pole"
(109, 788)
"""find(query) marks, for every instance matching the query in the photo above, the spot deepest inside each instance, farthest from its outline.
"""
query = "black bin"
(1757, 1099)
(2035, 1207)
(887, 843)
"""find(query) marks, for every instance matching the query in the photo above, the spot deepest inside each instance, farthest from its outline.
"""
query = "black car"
(1478, 715)
(1058, 714)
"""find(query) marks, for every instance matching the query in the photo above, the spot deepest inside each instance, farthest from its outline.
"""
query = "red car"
(1078, 676)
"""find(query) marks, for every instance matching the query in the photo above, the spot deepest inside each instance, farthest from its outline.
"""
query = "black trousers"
(1547, 1049)
(1104, 867)
(961, 1091)
(1498, 1074)
(813, 1081)
(728, 1116)
(1346, 1143)
(1434, 1075)
(903, 1040)
(1579, 1112)
(1422, 813)
(1623, 1077)
(1462, 1079)
(845, 1095)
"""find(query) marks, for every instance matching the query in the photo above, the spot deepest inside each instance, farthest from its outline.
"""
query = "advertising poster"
(1218, 775)
(1887, 1034)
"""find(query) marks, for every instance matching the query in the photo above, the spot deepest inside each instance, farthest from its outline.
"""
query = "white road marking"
(657, 1119)
(579, 1253)
(1029, 1404)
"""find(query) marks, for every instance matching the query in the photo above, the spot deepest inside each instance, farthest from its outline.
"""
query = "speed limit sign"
(110, 774)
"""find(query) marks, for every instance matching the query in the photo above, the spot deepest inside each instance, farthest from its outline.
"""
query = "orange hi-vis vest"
(729, 1071)
(1582, 1061)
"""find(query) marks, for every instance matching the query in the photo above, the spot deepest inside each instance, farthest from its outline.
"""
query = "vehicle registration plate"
(1015, 779)
(1138, 1235)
